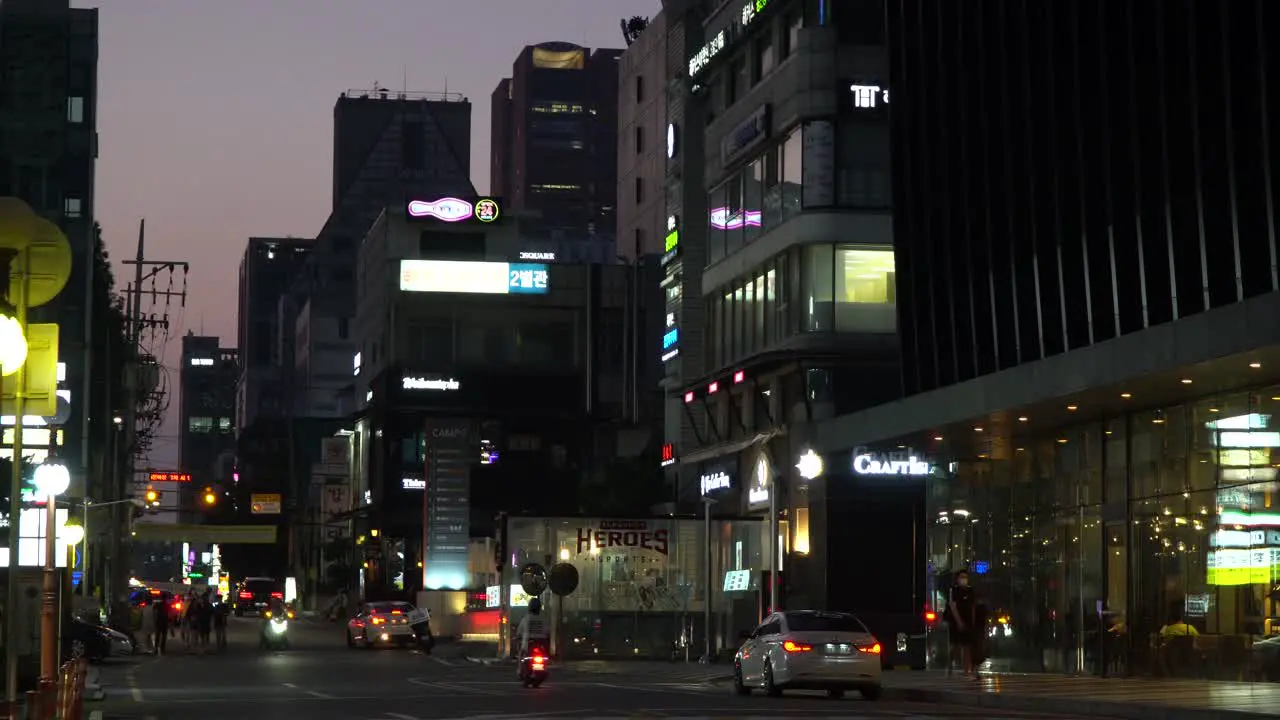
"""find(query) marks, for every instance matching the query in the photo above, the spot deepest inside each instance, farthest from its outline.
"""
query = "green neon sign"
(673, 239)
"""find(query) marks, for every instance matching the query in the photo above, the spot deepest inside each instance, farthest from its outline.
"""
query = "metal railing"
(382, 93)
(60, 699)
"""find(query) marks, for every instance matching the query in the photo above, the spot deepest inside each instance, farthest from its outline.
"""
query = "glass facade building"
(1086, 540)
(643, 584)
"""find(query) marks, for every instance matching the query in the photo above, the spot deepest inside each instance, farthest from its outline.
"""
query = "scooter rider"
(533, 630)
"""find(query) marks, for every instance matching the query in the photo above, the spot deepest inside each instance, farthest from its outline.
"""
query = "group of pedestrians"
(200, 621)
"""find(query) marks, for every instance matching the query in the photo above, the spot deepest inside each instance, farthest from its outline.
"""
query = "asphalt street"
(320, 678)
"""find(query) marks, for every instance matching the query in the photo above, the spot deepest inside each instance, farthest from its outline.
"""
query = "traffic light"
(210, 498)
(152, 497)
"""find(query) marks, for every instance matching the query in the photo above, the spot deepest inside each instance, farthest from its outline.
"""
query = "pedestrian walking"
(204, 621)
(149, 627)
(160, 619)
(220, 613)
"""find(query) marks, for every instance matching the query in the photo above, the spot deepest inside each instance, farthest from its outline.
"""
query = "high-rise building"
(1087, 291)
(206, 414)
(388, 147)
(644, 145)
(48, 148)
(268, 270)
(554, 141)
(779, 283)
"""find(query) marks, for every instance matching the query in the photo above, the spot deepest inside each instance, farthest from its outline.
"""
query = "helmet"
(535, 606)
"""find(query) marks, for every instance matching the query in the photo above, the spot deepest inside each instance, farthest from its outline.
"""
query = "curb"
(1078, 706)
(95, 715)
(489, 660)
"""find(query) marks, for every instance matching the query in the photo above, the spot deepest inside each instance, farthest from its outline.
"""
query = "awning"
(729, 448)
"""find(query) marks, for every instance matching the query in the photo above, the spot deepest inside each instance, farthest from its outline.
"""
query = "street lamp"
(13, 344)
(72, 535)
(52, 478)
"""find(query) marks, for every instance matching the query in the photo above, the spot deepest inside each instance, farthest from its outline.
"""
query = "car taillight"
(278, 596)
(873, 649)
(246, 595)
(378, 621)
(795, 647)
(930, 616)
(177, 605)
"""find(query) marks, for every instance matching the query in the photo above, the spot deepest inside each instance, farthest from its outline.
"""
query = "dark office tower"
(1074, 171)
(207, 408)
(48, 143)
(388, 147)
(554, 126)
(268, 270)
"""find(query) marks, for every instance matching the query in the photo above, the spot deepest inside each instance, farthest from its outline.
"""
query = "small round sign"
(533, 579)
(564, 579)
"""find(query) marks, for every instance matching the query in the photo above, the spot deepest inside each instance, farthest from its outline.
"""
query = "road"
(321, 679)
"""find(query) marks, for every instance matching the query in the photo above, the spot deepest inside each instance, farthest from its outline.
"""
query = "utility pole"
(153, 283)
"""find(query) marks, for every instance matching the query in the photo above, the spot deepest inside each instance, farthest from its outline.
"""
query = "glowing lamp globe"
(52, 478)
(13, 345)
(72, 534)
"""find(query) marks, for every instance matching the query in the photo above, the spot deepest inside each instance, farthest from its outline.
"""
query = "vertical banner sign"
(446, 507)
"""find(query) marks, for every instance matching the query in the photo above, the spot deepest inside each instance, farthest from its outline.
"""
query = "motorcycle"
(533, 669)
(274, 634)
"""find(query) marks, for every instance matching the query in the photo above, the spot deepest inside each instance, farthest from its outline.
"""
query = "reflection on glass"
(792, 179)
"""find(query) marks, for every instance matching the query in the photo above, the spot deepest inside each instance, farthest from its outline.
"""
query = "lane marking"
(401, 716)
(136, 694)
(289, 685)
(319, 695)
(455, 687)
(442, 661)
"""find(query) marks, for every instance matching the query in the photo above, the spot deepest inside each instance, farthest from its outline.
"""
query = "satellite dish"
(533, 579)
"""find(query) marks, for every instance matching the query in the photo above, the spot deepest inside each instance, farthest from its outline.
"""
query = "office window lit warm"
(864, 276)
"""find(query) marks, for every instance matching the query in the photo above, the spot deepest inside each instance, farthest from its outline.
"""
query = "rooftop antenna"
(405, 85)
(446, 85)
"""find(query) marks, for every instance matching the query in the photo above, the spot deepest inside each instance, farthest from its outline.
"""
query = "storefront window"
(752, 199)
(816, 288)
(864, 290)
(792, 180)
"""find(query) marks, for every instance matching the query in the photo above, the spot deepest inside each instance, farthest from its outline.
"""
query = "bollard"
(33, 705)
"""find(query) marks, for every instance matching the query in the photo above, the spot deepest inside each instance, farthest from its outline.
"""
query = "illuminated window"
(848, 290)
(864, 276)
(801, 544)
(200, 424)
(224, 425)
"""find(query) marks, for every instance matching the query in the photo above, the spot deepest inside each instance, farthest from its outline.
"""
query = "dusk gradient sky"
(215, 117)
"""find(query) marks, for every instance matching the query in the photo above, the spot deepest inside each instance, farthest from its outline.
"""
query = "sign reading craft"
(473, 277)
(456, 210)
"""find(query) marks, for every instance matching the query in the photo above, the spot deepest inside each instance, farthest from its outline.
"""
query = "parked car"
(93, 642)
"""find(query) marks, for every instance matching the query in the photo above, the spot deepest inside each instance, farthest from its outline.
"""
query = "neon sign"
(866, 463)
(703, 57)
(668, 455)
(714, 481)
(452, 209)
(726, 219)
(420, 383)
(671, 338)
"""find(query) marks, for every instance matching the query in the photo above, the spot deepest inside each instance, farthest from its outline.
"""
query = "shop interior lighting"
(977, 429)
(1022, 418)
(1062, 441)
(1255, 365)
(1072, 408)
(1126, 396)
(1186, 381)
(937, 437)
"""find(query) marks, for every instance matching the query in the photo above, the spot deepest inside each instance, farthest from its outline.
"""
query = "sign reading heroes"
(452, 209)
(626, 534)
(904, 462)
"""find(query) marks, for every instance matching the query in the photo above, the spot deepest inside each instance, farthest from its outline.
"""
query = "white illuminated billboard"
(472, 277)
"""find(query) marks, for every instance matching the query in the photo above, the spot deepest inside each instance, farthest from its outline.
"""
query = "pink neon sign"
(448, 209)
(726, 219)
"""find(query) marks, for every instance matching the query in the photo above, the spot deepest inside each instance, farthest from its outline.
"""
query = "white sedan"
(809, 650)
(384, 623)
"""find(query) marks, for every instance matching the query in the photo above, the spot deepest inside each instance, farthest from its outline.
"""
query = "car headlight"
(279, 627)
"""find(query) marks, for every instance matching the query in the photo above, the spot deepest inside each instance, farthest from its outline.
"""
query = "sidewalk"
(1135, 699)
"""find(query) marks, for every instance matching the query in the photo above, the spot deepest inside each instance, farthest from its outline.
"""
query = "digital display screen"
(473, 277)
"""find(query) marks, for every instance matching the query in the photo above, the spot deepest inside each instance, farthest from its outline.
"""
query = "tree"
(633, 27)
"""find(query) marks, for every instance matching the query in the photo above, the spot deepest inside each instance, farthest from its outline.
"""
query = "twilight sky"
(215, 118)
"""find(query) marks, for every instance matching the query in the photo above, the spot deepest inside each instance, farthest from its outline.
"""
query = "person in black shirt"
(220, 611)
(161, 609)
(962, 623)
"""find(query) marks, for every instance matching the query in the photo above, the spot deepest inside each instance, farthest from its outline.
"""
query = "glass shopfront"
(642, 583)
(1084, 543)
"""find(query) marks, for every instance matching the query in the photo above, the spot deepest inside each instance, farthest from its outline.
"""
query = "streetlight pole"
(52, 478)
(707, 577)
